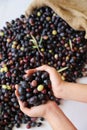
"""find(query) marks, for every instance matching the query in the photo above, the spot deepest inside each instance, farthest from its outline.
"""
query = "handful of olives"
(36, 89)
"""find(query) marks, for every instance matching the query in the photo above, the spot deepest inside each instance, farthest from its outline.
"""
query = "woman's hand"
(56, 81)
(55, 77)
(50, 111)
(37, 111)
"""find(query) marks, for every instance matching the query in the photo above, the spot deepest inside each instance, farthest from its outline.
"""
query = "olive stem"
(62, 69)
(34, 41)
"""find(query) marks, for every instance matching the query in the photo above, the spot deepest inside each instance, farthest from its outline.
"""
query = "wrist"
(60, 90)
(57, 119)
(49, 109)
(64, 90)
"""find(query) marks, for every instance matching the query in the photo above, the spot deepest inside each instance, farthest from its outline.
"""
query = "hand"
(50, 111)
(37, 111)
(55, 77)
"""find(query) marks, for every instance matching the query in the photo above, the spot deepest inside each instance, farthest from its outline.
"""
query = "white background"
(75, 111)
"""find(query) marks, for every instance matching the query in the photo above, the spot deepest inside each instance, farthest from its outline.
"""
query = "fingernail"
(25, 76)
(16, 86)
(26, 71)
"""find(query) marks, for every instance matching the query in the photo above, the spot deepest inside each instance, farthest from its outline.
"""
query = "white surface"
(75, 111)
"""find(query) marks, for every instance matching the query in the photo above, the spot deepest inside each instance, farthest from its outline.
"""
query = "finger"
(29, 72)
(17, 94)
(16, 86)
(28, 111)
(52, 71)
(32, 112)
(46, 68)
(41, 68)
(36, 111)
(25, 76)
(16, 91)
(21, 104)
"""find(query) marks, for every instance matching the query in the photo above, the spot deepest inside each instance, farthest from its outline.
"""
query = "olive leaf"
(33, 40)
(70, 44)
(36, 45)
(62, 69)
(41, 39)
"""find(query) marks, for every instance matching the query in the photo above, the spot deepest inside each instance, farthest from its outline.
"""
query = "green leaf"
(34, 47)
(70, 44)
(33, 40)
(41, 39)
(62, 69)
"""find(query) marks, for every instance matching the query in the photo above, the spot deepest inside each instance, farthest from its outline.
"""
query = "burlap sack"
(74, 12)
